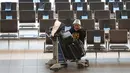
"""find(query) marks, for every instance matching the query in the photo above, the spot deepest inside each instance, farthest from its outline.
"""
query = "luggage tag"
(45, 17)
(67, 28)
(84, 17)
(79, 8)
(115, 9)
(8, 17)
(111, 0)
(124, 17)
(77, 1)
(97, 39)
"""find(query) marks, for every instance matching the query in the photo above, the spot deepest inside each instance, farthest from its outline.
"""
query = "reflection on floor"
(34, 62)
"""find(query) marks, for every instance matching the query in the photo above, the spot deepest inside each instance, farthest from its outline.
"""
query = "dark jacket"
(80, 34)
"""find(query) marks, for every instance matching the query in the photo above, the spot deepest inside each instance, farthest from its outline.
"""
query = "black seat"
(8, 6)
(97, 6)
(44, 27)
(128, 5)
(124, 24)
(121, 39)
(62, 6)
(88, 24)
(83, 14)
(95, 37)
(26, 6)
(65, 14)
(26, 1)
(43, 6)
(46, 24)
(107, 23)
(5, 27)
(79, 6)
(101, 14)
(67, 22)
(8, 14)
(125, 1)
(61, 0)
(114, 6)
(27, 16)
(122, 14)
(44, 1)
(45, 15)
(93, 1)
(108, 1)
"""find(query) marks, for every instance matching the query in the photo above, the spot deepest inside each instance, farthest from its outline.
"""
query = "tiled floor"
(34, 62)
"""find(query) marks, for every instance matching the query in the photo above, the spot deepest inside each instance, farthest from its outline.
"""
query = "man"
(77, 31)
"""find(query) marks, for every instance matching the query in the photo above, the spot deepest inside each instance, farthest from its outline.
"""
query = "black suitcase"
(77, 49)
(72, 49)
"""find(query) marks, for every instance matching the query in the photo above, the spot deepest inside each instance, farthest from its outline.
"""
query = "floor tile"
(16, 70)
(31, 62)
(30, 69)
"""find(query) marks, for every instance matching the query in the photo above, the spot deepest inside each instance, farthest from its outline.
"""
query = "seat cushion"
(117, 47)
(8, 35)
(27, 25)
(43, 35)
(92, 48)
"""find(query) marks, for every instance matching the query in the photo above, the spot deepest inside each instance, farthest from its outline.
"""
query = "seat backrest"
(26, 6)
(8, 14)
(43, 6)
(67, 22)
(108, 1)
(61, 0)
(8, 5)
(45, 15)
(62, 6)
(79, 6)
(97, 6)
(118, 36)
(8, 26)
(113, 6)
(121, 13)
(44, 0)
(83, 14)
(125, 1)
(46, 24)
(25, 0)
(88, 24)
(27, 16)
(128, 5)
(93, 1)
(124, 24)
(107, 23)
(65, 14)
(101, 14)
(92, 33)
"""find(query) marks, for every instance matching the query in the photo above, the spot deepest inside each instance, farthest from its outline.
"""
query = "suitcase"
(72, 49)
